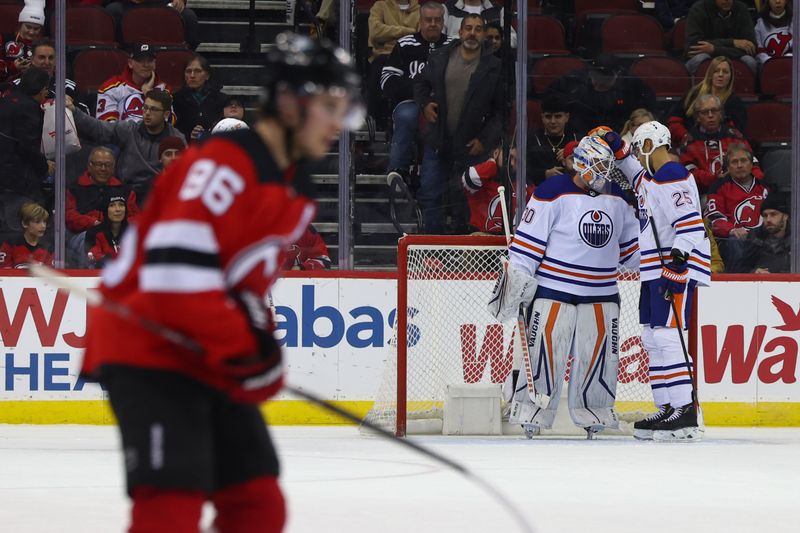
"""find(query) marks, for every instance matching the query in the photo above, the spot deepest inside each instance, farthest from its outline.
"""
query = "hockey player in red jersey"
(200, 260)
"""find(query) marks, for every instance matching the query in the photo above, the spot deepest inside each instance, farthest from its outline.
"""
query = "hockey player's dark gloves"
(674, 275)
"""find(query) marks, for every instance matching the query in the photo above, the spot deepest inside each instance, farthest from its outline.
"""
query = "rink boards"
(335, 329)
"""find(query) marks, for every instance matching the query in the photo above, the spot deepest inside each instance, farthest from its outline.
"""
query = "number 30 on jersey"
(215, 185)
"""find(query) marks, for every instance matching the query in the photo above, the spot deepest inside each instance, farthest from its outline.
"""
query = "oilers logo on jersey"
(595, 228)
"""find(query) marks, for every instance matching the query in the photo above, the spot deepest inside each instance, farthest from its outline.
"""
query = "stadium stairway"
(223, 25)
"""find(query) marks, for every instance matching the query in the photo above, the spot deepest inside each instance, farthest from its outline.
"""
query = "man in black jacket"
(23, 168)
(720, 28)
(770, 244)
(460, 96)
(603, 94)
(405, 64)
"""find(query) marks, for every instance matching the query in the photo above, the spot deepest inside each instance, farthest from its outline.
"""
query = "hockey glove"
(617, 144)
(674, 275)
(257, 375)
(513, 288)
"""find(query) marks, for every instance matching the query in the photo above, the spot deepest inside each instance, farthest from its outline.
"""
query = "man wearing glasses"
(138, 160)
(704, 150)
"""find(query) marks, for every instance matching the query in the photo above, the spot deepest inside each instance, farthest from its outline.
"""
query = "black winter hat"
(779, 201)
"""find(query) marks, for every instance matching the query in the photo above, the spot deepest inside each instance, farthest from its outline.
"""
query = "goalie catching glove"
(513, 288)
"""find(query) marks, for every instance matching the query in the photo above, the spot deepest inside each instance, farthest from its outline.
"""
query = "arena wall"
(336, 330)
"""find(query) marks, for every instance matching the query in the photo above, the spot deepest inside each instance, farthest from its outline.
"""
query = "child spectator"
(15, 50)
(102, 241)
(308, 253)
(26, 248)
(480, 184)
(169, 149)
(774, 30)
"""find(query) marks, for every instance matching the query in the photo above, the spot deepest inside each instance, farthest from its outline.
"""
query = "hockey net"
(444, 334)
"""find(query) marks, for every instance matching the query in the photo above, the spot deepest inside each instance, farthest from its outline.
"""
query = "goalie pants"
(588, 331)
(669, 375)
(185, 443)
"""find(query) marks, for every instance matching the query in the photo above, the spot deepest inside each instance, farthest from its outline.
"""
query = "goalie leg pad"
(552, 326)
(593, 376)
(512, 289)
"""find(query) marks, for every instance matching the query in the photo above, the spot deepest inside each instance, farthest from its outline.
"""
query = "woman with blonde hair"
(638, 117)
(719, 82)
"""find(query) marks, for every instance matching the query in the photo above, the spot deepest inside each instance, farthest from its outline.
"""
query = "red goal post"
(445, 335)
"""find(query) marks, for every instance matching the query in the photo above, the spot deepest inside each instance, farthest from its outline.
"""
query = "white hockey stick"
(94, 298)
(523, 337)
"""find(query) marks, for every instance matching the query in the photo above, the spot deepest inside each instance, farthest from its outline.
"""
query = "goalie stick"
(523, 337)
(94, 298)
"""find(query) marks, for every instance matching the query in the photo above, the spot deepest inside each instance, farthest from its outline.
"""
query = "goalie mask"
(656, 133)
(594, 161)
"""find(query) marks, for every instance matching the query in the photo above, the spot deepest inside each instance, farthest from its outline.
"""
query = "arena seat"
(667, 77)
(744, 83)
(9, 13)
(88, 26)
(548, 69)
(776, 78)
(95, 65)
(156, 26)
(769, 123)
(545, 36)
(633, 35)
(170, 65)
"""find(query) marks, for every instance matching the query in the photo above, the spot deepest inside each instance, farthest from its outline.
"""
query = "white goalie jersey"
(572, 241)
(674, 202)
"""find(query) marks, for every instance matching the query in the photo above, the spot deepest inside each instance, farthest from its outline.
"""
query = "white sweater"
(771, 41)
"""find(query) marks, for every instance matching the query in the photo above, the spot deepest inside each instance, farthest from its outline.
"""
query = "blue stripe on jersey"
(626, 244)
(670, 172)
(530, 238)
(670, 367)
(673, 384)
(690, 230)
(702, 270)
(656, 267)
(523, 252)
(655, 251)
(686, 217)
(578, 267)
(701, 254)
(575, 282)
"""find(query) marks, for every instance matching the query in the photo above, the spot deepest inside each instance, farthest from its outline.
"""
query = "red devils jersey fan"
(200, 260)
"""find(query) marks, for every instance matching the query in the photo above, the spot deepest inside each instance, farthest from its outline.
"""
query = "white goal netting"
(449, 337)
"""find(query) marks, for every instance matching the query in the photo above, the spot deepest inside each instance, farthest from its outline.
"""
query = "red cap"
(569, 148)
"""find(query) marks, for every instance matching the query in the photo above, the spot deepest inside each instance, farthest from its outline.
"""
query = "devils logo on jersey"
(595, 228)
(132, 107)
(778, 44)
(747, 214)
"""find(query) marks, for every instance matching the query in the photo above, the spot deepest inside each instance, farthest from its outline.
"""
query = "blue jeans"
(404, 136)
(433, 182)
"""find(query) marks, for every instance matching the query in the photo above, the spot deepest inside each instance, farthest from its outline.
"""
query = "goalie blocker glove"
(675, 274)
(513, 288)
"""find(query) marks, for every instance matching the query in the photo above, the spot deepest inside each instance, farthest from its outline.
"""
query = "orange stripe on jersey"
(101, 90)
(547, 266)
(678, 299)
(671, 376)
(693, 222)
(526, 245)
(548, 337)
(601, 335)
(700, 261)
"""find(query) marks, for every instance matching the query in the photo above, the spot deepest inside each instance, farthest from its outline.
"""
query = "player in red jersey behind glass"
(200, 260)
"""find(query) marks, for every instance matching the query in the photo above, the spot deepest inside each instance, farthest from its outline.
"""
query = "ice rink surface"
(69, 479)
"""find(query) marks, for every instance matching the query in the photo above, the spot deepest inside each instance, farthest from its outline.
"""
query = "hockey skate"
(680, 426)
(643, 429)
(531, 430)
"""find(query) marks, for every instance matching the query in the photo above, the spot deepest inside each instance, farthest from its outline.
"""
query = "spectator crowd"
(437, 78)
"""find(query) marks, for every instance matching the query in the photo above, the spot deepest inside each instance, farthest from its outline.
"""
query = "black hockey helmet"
(308, 67)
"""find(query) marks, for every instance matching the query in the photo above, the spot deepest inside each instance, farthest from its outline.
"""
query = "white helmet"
(594, 161)
(230, 124)
(655, 131)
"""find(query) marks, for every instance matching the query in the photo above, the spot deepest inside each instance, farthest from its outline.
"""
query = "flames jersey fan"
(674, 204)
(480, 184)
(119, 98)
(730, 205)
(183, 264)
(571, 240)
